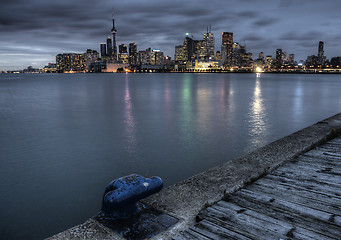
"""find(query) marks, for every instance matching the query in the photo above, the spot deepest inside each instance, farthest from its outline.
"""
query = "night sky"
(32, 32)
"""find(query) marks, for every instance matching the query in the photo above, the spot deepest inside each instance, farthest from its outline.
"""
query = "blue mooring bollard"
(121, 195)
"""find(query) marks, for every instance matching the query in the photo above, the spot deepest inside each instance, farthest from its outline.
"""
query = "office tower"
(90, 56)
(199, 48)
(268, 62)
(188, 48)
(70, 62)
(235, 55)
(284, 57)
(209, 42)
(132, 53)
(226, 48)
(320, 54)
(103, 47)
(157, 57)
(114, 31)
(291, 59)
(261, 56)
(179, 53)
(141, 57)
(279, 58)
(123, 48)
(109, 49)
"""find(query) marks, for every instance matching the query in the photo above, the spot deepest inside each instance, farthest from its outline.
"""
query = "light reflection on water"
(64, 137)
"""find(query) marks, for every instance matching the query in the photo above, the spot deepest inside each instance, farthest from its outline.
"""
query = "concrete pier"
(188, 199)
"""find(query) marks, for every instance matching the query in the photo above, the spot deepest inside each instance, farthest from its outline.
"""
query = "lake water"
(63, 137)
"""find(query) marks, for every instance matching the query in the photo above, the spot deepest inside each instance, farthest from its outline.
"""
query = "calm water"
(64, 137)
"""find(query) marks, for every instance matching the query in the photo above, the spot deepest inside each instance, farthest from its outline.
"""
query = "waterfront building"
(261, 56)
(123, 48)
(279, 58)
(132, 53)
(188, 48)
(312, 61)
(209, 43)
(157, 57)
(200, 51)
(226, 48)
(141, 57)
(217, 56)
(123, 58)
(235, 56)
(320, 54)
(268, 62)
(103, 48)
(179, 53)
(291, 59)
(70, 62)
(90, 56)
(109, 49)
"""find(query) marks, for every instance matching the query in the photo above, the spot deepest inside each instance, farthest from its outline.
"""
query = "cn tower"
(113, 31)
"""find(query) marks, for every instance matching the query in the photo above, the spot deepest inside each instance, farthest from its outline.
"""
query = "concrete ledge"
(185, 199)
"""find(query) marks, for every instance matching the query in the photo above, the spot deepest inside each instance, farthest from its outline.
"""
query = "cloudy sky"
(32, 32)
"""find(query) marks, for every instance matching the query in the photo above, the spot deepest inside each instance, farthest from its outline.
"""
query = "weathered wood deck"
(300, 200)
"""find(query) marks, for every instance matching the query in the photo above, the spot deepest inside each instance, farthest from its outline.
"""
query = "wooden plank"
(218, 231)
(325, 174)
(326, 191)
(303, 226)
(270, 223)
(318, 162)
(289, 206)
(304, 176)
(242, 225)
(258, 231)
(191, 235)
(300, 196)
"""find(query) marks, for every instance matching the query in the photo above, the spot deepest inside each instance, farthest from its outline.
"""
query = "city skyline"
(40, 30)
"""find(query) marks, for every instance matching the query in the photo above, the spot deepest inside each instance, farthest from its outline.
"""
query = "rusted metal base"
(145, 224)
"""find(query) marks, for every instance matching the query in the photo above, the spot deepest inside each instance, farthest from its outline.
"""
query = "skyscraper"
(209, 42)
(320, 54)
(226, 49)
(279, 58)
(103, 50)
(114, 31)
(132, 53)
(109, 49)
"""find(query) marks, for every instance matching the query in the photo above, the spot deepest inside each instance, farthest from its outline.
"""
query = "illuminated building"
(279, 58)
(188, 49)
(226, 48)
(123, 57)
(209, 42)
(199, 48)
(179, 53)
(268, 62)
(320, 54)
(235, 55)
(141, 57)
(218, 56)
(132, 53)
(123, 48)
(261, 56)
(90, 56)
(70, 62)
(291, 59)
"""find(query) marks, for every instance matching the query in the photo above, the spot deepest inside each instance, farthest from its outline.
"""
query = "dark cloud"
(263, 22)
